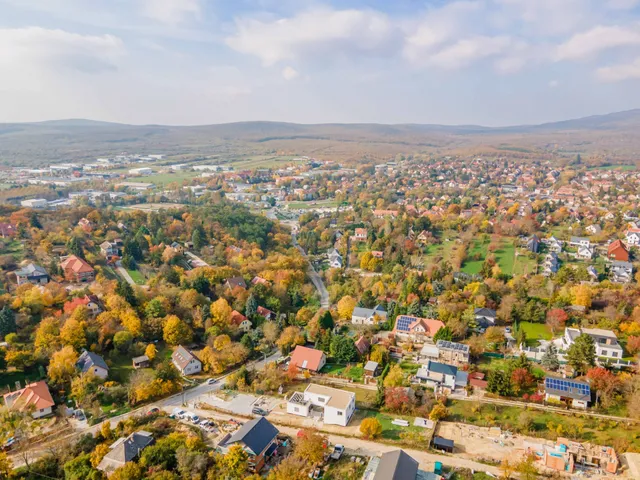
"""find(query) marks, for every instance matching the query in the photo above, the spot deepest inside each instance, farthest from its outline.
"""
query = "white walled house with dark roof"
(257, 437)
(32, 273)
(367, 316)
(125, 450)
(575, 392)
(185, 361)
(94, 363)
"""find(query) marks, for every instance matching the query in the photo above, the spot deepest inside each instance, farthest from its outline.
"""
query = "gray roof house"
(92, 362)
(366, 316)
(533, 244)
(396, 465)
(258, 437)
(32, 273)
(125, 450)
(485, 317)
(441, 375)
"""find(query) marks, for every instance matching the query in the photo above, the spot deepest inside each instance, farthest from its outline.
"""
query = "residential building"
(338, 405)
(240, 321)
(90, 301)
(141, 171)
(441, 376)
(125, 450)
(533, 244)
(632, 236)
(621, 272)
(35, 203)
(77, 270)
(265, 313)
(554, 245)
(585, 253)
(393, 465)
(563, 390)
(371, 369)
(452, 353)
(362, 345)
(94, 363)
(141, 362)
(306, 358)
(594, 229)
(34, 398)
(551, 264)
(185, 361)
(32, 273)
(485, 317)
(111, 249)
(360, 235)
(618, 251)
(335, 259)
(606, 341)
(235, 282)
(579, 242)
(368, 316)
(8, 230)
(416, 329)
(257, 437)
(564, 455)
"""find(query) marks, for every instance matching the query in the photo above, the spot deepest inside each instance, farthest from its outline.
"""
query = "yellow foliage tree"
(47, 337)
(220, 313)
(73, 333)
(371, 427)
(62, 365)
(346, 306)
(176, 331)
(151, 351)
(395, 377)
(582, 295)
(131, 322)
(221, 342)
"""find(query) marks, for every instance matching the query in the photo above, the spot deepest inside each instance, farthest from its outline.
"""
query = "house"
(476, 380)
(8, 230)
(585, 253)
(338, 405)
(452, 353)
(141, 362)
(533, 244)
(594, 229)
(32, 273)
(90, 301)
(372, 369)
(185, 361)
(579, 242)
(261, 281)
(606, 341)
(265, 313)
(335, 259)
(368, 316)
(125, 450)
(554, 245)
(565, 455)
(360, 235)
(393, 465)
(551, 264)
(94, 363)
(377, 254)
(306, 358)
(257, 437)
(416, 329)
(485, 317)
(362, 345)
(565, 390)
(34, 398)
(632, 237)
(77, 270)
(85, 224)
(618, 251)
(240, 321)
(441, 376)
(235, 282)
(621, 272)
(593, 273)
(111, 249)
(423, 237)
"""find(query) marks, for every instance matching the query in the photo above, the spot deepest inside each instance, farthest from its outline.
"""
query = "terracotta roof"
(36, 394)
(362, 345)
(263, 312)
(237, 318)
(616, 245)
(308, 358)
(76, 264)
(181, 356)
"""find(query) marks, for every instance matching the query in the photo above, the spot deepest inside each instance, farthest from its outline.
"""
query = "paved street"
(314, 276)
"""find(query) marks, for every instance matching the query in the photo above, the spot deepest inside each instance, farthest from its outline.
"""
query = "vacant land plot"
(161, 179)
(264, 161)
(391, 431)
(345, 469)
(329, 203)
(13, 248)
(535, 332)
(355, 373)
(505, 254)
(137, 276)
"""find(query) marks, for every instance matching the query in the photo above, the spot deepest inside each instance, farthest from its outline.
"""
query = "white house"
(621, 272)
(606, 341)
(335, 259)
(485, 317)
(585, 253)
(441, 376)
(94, 363)
(338, 406)
(34, 398)
(594, 229)
(185, 361)
(632, 236)
(553, 244)
(367, 316)
(562, 390)
(580, 241)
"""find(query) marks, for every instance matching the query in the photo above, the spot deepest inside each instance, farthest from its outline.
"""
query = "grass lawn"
(137, 276)
(614, 167)
(161, 179)
(410, 368)
(356, 372)
(345, 469)
(9, 379)
(505, 256)
(328, 203)
(535, 332)
(600, 432)
(14, 247)
(389, 430)
(264, 161)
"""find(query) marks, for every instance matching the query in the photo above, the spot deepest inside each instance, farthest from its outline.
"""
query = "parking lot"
(238, 403)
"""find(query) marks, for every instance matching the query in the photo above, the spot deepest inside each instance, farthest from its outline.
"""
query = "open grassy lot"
(600, 432)
(535, 332)
(614, 167)
(264, 161)
(391, 431)
(345, 469)
(121, 366)
(137, 276)
(505, 255)
(161, 179)
(13, 247)
(355, 373)
(328, 203)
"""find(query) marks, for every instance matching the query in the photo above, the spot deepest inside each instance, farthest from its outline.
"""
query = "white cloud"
(40, 49)
(289, 73)
(320, 31)
(171, 12)
(618, 73)
(600, 38)
(622, 4)
(550, 17)
(468, 50)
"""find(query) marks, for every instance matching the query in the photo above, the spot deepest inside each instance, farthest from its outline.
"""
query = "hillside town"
(424, 317)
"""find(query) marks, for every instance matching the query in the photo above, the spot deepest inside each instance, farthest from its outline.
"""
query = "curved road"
(313, 275)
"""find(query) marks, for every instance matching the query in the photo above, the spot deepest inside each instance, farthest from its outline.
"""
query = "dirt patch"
(479, 442)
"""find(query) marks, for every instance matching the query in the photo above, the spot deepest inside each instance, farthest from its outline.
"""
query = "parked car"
(338, 450)
(211, 381)
(260, 411)
(153, 411)
(8, 445)
(317, 473)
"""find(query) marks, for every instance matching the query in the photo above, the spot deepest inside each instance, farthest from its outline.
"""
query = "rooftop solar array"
(403, 322)
(460, 347)
(568, 386)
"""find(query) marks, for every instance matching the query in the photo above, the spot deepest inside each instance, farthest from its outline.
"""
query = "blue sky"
(489, 62)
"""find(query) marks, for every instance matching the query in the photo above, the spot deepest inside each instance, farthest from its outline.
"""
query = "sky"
(190, 62)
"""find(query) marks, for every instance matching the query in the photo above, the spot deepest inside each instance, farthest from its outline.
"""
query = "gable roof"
(362, 345)
(485, 312)
(237, 318)
(36, 394)
(31, 270)
(125, 450)
(408, 323)
(256, 434)
(305, 357)
(90, 359)
(234, 282)
(442, 368)
(617, 244)
(396, 465)
(181, 356)
(263, 312)
(76, 264)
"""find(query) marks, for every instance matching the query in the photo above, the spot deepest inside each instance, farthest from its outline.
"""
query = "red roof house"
(308, 358)
(618, 251)
(415, 328)
(240, 321)
(77, 270)
(34, 398)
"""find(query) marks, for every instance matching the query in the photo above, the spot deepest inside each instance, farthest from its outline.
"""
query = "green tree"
(444, 333)
(550, 358)
(74, 247)
(326, 321)
(343, 349)
(251, 306)
(581, 355)
(499, 382)
(7, 321)
(154, 309)
(197, 238)
(80, 468)
(122, 341)
(126, 291)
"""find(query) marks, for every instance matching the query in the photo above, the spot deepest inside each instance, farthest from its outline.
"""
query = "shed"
(371, 368)
(440, 443)
(141, 362)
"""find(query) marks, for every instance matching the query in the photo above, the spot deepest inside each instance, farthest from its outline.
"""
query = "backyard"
(345, 469)
(505, 255)
(355, 373)
(535, 332)
(137, 276)
(391, 431)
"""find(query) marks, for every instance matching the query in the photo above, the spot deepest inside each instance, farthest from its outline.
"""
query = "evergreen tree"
(74, 247)
(132, 248)
(414, 309)
(326, 321)
(197, 239)
(582, 354)
(499, 383)
(7, 321)
(251, 306)
(125, 291)
(444, 333)
(550, 358)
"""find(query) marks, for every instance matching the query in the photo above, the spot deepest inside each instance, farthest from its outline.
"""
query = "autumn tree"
(176, 332)
(371, 428)
(73, 334)
(556, 319)
(438, 412)
(395, 377)
(220, 314)
(581, 295)
(521, 379)
(289, 468)
(151, 351)
(62, 366)
(235, 462)
(605, 383)
(47, 337)
(346, 306)
(289, 338)
(310, 447)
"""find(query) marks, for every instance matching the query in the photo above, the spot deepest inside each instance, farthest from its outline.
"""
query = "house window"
(340, 414)
(296, 409)
(322, 399)
(614, 354)
(604, 353)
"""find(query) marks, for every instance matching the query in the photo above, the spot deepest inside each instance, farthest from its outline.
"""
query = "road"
(187, 397)
(123, 272)
(314, 276)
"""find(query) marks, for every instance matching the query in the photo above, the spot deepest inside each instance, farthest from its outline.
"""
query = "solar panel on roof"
(564, 385)
(404, 322)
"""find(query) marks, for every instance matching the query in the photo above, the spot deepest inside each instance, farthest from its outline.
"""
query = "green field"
(329, 203)
(391, 431)
(161, 179)
(263, 161)
(614, 167)
(356, 373)
(535, 332)
(505, 256)
(14, 247)
(137, 277)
